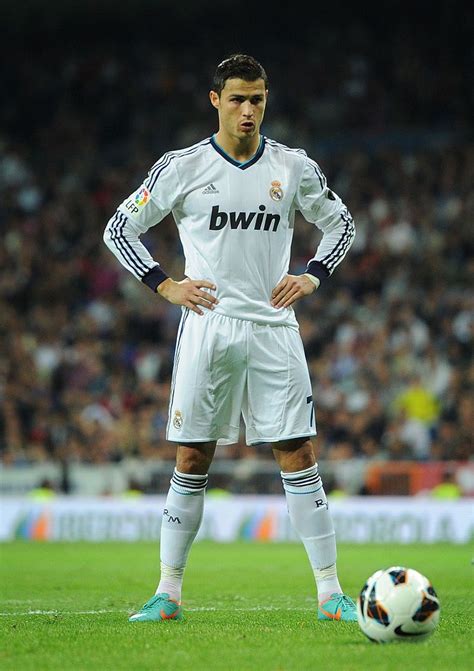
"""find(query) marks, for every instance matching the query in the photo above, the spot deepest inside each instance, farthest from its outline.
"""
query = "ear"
(214, 98)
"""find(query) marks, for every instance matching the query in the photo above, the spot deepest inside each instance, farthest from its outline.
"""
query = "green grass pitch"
(249, 606)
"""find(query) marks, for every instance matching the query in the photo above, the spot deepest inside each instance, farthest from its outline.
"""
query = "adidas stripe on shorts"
(225, 367)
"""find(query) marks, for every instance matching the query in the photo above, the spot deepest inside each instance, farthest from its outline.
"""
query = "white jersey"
(235, 221)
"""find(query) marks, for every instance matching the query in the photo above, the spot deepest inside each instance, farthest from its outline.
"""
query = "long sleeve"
(122, 237)
(322, 207)
(144, 208)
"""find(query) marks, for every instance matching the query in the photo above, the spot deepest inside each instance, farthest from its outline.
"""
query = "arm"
(145, 208)
(322, 207)
(122, 237)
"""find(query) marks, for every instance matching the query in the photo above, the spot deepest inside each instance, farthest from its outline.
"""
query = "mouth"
(247, 126)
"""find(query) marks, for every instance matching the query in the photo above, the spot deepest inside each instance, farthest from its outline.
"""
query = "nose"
(247, 108)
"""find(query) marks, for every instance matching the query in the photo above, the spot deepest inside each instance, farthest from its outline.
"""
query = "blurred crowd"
(87, 351)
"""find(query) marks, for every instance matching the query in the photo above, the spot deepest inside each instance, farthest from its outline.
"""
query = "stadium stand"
(87, 351)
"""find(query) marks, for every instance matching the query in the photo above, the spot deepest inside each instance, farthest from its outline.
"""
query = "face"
(241, 106)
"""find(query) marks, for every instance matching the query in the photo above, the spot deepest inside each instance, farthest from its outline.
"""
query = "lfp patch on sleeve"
(138, 200)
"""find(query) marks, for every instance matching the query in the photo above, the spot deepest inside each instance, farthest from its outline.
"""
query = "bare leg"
(294, 455)
(195, 458)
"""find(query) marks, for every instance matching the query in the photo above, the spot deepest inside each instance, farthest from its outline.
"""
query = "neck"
(240, 149)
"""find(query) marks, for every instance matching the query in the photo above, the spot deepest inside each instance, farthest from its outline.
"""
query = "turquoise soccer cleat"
(160, 607)
(338, 607)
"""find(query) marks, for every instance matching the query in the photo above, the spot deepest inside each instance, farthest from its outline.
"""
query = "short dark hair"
(238, 66)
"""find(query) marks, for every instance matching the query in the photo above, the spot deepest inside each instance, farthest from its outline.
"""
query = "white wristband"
(315, 280)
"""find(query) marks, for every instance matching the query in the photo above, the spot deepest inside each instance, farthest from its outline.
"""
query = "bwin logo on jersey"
(262, 220)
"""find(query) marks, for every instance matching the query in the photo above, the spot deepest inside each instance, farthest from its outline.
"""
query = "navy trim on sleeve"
(154, 278)
(317, 269)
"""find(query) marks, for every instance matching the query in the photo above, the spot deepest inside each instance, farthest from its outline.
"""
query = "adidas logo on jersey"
(262, 220)
(210, 189)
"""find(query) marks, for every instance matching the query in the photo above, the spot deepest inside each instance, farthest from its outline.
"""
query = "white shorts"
(225, 367)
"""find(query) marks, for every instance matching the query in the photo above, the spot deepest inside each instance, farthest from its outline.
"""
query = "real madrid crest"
(276, 192)
(177, 420)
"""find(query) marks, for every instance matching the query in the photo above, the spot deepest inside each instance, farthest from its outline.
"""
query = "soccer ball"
(397, 604)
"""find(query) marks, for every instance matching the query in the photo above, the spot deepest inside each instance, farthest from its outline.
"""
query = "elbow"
(349, 224)
(107, 235)
(354, 230)
(353, 233)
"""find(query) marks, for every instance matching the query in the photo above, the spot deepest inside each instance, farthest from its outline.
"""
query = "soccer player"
(233, 197)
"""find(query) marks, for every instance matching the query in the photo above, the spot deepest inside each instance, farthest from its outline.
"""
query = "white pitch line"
(64, 612)
(190, 610)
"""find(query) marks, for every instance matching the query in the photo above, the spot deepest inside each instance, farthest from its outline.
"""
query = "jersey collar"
(238, 164)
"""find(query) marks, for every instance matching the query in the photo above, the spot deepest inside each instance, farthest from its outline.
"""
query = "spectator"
(86, 356)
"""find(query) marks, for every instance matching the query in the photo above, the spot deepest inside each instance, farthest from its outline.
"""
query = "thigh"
(280, 397)
(208, 380)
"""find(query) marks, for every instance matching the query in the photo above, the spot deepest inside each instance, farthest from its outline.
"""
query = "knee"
(295, 455)
(194, 459)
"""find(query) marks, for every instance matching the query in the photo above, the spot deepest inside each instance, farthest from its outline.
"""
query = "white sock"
(327, 582)
(181, 520)
(171, 581)
(309, 514)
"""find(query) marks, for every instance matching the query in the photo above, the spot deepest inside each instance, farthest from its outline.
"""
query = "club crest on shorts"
(276, 192)
(178, 420)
